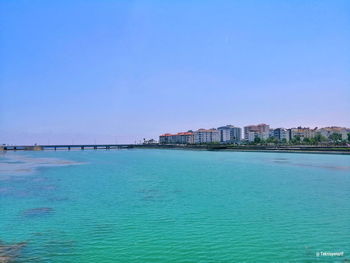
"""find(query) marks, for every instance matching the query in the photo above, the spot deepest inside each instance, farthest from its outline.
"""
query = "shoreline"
(342, 150)
(308, 150)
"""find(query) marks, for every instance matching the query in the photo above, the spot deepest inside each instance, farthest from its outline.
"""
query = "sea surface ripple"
(173, 206)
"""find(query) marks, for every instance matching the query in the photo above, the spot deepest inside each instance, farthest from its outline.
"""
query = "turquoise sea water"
(175, 206)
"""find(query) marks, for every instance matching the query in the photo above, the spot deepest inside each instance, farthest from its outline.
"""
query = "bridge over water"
(65, 147)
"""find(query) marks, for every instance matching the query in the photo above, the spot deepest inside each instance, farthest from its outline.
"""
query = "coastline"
(343, 150)
(266, 149)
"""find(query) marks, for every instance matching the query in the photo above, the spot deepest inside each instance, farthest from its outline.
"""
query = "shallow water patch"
(9, 252)
(40, 211)
(23, 165)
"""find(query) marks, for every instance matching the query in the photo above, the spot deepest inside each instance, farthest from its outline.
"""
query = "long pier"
(65, 147)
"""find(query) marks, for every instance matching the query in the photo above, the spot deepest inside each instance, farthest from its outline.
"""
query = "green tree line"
(334, 138)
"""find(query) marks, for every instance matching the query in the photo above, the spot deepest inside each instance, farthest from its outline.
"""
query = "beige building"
(178, 138)
(327, 131)
(261, 131)
(302, 133)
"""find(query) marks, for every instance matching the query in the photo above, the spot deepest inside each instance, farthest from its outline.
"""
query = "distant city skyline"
(52, 138)
(121, 71)
(261, 132)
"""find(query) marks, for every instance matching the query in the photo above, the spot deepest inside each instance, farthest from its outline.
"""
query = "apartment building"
(178, 138)
(261, 131)
(230, 134)
(302, 132)
(206, 136)
(281, 134)
(328, 131)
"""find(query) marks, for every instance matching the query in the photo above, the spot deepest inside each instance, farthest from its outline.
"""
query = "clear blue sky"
(80, 71)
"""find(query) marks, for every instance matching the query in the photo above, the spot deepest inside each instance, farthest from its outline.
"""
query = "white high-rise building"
(206, 136)
(230, 134)
(281, 134)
